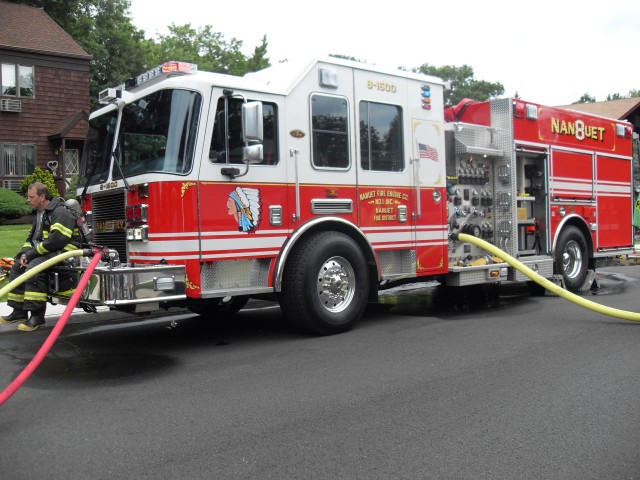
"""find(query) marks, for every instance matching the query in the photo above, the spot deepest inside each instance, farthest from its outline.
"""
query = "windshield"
(97, 147)
(157, 134)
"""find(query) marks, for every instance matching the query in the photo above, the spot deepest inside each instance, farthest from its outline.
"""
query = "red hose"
(46, 346)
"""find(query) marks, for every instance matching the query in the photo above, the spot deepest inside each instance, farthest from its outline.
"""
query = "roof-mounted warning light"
(109, 95)
(525, 110)
(623, 130)
(165, 70)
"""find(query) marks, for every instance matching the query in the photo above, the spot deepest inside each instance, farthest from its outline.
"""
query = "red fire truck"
(319, 183)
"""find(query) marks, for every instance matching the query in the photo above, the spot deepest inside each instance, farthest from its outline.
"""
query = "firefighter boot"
(15, 316)
(35, 322)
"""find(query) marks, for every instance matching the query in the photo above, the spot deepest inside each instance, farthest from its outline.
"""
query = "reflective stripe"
(69, 247)
(62, 229)
(41, 250)
(26, 245)
(15, 297)
(35, 297)
(66, 292)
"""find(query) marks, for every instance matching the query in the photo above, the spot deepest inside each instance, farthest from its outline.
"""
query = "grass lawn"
(11, 239)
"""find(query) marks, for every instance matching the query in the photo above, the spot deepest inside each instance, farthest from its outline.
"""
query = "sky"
(549, 52)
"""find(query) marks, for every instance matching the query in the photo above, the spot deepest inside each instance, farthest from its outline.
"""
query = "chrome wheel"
(336, 281)
(572, 259)
(325, 284)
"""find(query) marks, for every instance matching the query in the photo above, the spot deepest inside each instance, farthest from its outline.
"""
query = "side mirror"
(252, 153)
(252, 130)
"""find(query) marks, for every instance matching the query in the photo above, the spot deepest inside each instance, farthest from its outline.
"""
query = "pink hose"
(46, 346)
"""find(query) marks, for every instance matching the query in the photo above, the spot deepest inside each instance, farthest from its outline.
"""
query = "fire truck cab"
(320, 182)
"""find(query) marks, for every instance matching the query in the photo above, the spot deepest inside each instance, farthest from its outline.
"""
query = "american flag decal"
(428, 152)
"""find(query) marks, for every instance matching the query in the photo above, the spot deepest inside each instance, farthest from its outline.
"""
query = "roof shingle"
(31, 29)
(618, 109)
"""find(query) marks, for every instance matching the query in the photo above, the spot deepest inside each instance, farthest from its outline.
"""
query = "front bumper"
(119, 286)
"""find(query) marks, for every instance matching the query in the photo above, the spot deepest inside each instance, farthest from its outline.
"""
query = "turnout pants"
(32, 294)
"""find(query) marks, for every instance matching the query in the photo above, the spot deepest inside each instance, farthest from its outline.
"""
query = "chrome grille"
(108, 221)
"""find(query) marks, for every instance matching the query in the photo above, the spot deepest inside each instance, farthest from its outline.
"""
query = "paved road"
(426, 387)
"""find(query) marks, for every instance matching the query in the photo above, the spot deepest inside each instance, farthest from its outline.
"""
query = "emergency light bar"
(164, 70)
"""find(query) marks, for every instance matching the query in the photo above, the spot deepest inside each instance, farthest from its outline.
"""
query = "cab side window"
(330, 134)
(227, 133)
(381, 137)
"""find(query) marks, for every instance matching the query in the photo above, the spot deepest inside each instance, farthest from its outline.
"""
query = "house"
(44, 97)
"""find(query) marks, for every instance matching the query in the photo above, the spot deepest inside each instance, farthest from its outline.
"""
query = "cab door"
(386, 189)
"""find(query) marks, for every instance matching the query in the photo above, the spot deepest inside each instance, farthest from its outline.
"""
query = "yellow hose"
(35, 270)
(552, 287)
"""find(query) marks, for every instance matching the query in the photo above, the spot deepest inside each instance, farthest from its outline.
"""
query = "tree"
(346, 57)
(104, 30)
(463, 84)
(206, 48)
(617, 96)
(586, 98)
(114, 42)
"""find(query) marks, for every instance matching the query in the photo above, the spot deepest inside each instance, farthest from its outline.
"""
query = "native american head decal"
(244, 205)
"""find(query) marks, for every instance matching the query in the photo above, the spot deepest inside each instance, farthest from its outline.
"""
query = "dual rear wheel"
(571, 257)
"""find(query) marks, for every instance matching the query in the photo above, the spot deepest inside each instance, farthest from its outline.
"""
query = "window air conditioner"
(13, 185)
(10, 105)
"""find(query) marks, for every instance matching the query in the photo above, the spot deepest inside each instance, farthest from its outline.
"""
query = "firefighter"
(53, 231)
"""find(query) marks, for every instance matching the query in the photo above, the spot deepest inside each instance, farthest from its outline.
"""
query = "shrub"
(12, 205)
(71, 189)
(43, 176)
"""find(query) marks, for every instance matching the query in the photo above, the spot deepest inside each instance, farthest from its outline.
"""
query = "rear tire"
(571, 257)
(325, 284)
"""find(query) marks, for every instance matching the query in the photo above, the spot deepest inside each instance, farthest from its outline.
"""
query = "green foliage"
(586, 98)
(71, 188)
(114, 42)
(103, 29)
(120, 51)
(13, 236)
(43, 176)
(463, 84)
(12, 206)
(206, 48)
(346, 57)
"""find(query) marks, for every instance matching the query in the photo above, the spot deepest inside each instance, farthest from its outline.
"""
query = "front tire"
(571, 257)
(325, 284)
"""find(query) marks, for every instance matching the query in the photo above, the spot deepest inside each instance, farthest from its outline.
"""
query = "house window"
(17, 80)
(17, 160)
(71, 166)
